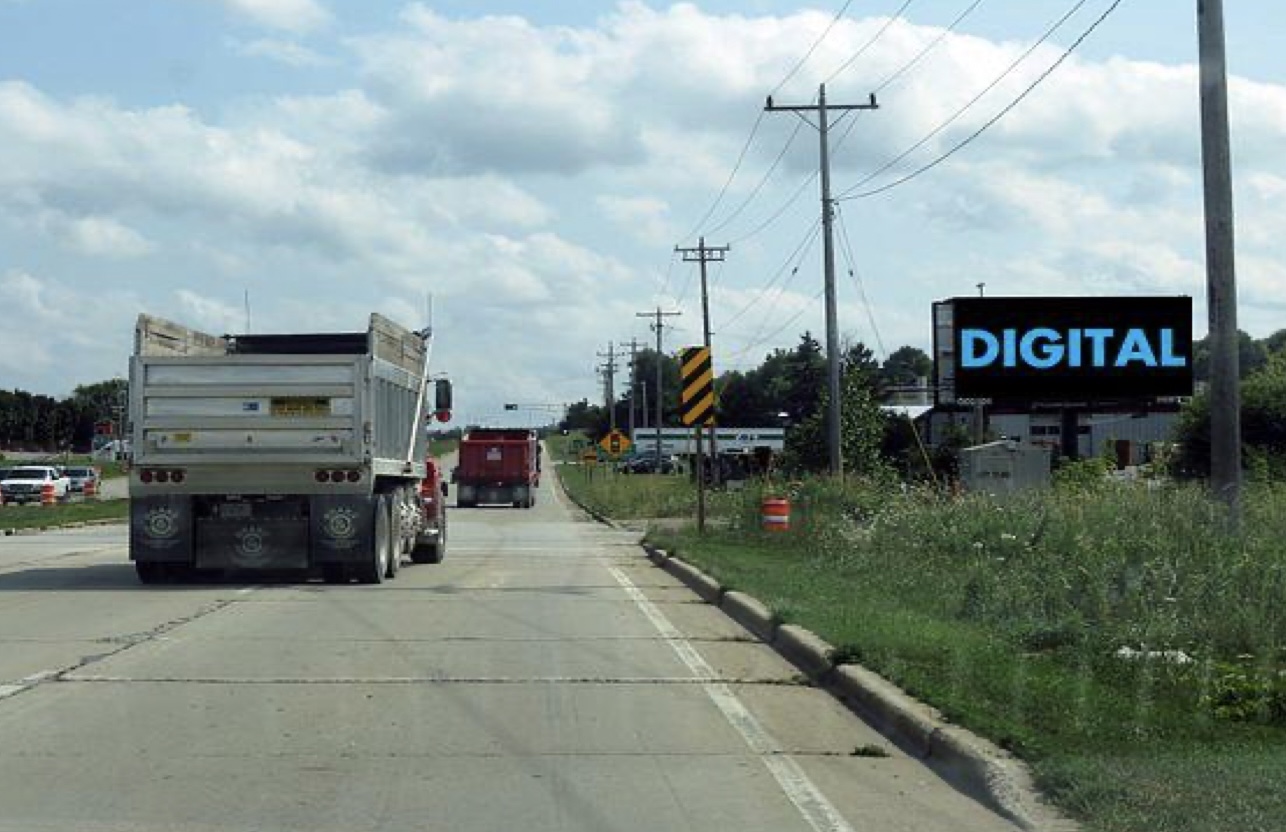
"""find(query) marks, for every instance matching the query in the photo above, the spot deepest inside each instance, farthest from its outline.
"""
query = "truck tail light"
(321, 476)
(354, 476)
(148, 476)
(336, 476)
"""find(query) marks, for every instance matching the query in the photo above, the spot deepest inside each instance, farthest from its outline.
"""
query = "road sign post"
(697, 411)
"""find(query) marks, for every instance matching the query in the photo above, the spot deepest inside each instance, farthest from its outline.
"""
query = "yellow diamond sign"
(615, 443)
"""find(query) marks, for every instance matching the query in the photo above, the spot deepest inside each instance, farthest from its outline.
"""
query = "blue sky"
(531, 165)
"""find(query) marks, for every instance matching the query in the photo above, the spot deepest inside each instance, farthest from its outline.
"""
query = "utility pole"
(658, 326)
(634, 380)
(705, 254)
(823, 127)
(1221, 276)
(609, 382)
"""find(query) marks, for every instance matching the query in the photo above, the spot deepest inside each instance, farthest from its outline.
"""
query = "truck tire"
(429, 552)
(375, 566)
(394, 540)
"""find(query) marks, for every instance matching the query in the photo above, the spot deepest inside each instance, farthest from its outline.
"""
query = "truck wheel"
(394, 543)
(376, 565)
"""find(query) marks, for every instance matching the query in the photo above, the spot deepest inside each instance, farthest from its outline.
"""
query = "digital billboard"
(1063, 349)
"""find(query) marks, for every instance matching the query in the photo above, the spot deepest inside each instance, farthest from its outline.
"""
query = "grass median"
(32, 516)
(1122, 640)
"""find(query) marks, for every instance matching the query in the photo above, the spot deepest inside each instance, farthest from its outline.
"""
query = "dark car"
(647, 464)
(431, 542)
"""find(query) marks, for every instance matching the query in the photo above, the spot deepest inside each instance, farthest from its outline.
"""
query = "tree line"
(36, 422)
(788, 389)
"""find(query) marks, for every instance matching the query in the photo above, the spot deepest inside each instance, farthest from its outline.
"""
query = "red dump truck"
(498, 465)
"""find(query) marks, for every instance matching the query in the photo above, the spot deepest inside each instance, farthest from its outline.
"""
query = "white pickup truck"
(25, 483)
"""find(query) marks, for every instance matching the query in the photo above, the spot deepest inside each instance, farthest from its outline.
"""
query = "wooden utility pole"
(704, 254)
(658, 326)
(1221, 277)
(634, 380)
(834, 385)
(609, 382)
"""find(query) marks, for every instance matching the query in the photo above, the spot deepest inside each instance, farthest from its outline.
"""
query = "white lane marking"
(26, 682)
(820, 814)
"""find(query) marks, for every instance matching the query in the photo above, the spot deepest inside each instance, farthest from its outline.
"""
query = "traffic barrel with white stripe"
(775, 514)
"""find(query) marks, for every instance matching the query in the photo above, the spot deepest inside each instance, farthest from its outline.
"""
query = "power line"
(990, 122)
(897, 15)
(800, 63)
(942, 35)
(754, 130)
(760, 341)
(797, 256)
(776, 215)
(1049, 33)
(855, 275)
(762, 182)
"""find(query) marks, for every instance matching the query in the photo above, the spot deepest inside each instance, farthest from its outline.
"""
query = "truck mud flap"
(251, 533)
(160, 529)
(342, 528)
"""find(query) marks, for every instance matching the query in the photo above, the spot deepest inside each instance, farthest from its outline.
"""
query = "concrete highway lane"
(544, 677)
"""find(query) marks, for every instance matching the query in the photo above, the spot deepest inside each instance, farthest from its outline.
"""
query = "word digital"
(1072, 349)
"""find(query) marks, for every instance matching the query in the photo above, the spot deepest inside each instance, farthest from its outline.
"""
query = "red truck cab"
(431, 542)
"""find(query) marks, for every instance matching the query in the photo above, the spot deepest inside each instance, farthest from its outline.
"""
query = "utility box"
(1005, 467)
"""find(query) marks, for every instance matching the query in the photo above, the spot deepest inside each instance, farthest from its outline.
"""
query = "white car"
(26, 483)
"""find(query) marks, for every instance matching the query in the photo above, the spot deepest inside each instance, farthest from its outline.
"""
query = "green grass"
(36, 516)
(628, 496)
(1007, 615)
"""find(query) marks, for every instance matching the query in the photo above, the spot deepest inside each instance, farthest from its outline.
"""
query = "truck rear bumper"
(215, 532)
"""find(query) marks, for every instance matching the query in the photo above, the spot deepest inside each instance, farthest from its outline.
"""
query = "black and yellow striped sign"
(696, 404)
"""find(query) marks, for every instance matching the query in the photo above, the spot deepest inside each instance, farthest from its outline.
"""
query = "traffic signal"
(511, 406)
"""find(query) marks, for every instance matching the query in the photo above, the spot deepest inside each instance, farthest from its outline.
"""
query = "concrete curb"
(749, 613)
(971, 764)
(805, 649)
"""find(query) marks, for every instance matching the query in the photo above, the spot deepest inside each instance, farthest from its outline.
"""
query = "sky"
(293, 165)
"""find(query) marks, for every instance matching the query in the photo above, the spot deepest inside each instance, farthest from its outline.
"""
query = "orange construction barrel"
(47, 494)
(775, 514)
(90, 489)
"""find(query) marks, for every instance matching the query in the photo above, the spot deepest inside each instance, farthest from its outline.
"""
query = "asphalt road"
(545, 677)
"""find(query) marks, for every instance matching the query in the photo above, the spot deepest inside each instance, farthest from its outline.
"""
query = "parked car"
(647, 464)
(26, 483)
(79, 475)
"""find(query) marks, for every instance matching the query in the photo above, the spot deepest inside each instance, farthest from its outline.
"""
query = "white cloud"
(287, 15)
(285, 52)
(644, 217)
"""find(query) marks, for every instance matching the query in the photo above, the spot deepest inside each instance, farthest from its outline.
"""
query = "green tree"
(1251, 355)
(1263, 424)
(862, 427)
(906, 366)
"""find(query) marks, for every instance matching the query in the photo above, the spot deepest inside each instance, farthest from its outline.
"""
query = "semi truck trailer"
(275, 452)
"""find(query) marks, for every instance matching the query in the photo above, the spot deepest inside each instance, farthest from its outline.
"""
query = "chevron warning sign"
(697, 380)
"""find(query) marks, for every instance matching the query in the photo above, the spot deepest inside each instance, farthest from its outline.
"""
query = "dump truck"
(280, 452)
(498, 465)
